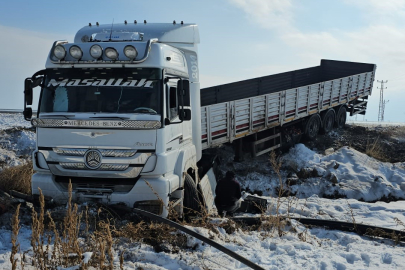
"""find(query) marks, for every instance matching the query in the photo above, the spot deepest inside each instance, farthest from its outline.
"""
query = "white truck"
(121, 115)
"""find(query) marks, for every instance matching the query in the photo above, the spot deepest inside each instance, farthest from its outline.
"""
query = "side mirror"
(28, 91)
(167, 122)
(183, 90)
(37, 81)
(27, 113)
(186, 116)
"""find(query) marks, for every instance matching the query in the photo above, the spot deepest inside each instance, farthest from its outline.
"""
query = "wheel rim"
(342, 119)
(313, 128)
(329, 122)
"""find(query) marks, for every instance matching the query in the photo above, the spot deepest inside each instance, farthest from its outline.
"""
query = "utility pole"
(381, 107)
(383, 110)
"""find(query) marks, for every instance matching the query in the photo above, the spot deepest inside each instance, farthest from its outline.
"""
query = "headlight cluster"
(76, 52)
(96, 51)
(59, 52)
(130, 52)
(111, 53)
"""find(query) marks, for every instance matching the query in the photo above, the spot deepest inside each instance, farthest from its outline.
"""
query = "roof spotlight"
(59, 52)
(76, 52)
(111, 53)
(130, 52)
(96, 51)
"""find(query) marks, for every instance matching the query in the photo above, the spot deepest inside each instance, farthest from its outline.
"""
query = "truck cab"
(119, 116)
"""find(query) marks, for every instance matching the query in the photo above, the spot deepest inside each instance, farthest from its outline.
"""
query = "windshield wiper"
(110, 117)
(151, 113)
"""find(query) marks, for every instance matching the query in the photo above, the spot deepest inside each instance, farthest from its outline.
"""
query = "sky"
(240, 39)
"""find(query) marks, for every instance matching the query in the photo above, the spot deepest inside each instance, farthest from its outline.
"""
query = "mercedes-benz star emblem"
(92, 159)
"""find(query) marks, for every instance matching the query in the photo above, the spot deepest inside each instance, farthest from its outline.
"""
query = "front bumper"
(159, 188)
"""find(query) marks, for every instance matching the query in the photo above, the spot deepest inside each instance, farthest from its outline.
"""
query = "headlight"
(96, 51)
(75, 52)
(59, 52)
(111, 53)
(130, 52)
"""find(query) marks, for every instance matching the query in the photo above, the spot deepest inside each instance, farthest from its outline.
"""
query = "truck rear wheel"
(312, 127)
(328, 121)
(191, 201)
(341, 117)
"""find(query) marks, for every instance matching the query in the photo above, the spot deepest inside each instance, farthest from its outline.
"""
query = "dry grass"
(155, 234)
(375, 149)
(64, 243)
(14, 238)
(277, 220)
(351, 213)
(17, 178)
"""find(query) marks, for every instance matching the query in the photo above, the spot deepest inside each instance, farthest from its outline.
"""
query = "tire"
(328, 121)
(312, 127)
(191, 202)
(341, 117)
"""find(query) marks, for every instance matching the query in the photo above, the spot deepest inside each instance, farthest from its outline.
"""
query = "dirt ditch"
(386, 144)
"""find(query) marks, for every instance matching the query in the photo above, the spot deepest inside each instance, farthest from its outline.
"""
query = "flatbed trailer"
(123, 119)
(233, 111)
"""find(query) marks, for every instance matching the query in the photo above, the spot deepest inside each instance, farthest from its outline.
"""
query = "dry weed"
(63, 244)
(14, 238)
(154, 234)
(375, 149)
(351, 212)
(17, 178)
(277, 220)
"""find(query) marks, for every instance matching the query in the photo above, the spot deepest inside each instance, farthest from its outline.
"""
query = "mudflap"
(207, 187)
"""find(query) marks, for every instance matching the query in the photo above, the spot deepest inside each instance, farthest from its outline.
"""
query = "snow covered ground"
(344, 174)
(17, 140)
(10, 120)
(315, 248)
(374, 123)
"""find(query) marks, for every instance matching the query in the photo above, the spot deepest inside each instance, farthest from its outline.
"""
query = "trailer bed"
(239, 109)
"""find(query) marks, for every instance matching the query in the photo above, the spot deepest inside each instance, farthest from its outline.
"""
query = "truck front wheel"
(191, 200)
(312, 127)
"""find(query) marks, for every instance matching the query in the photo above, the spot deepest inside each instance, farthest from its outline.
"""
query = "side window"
(173, 103)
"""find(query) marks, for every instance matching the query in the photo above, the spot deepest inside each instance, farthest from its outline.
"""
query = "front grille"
(117, 124)
(104, 152)
(103, 167)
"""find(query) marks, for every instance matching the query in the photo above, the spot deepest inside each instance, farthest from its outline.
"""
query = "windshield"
(101, 90)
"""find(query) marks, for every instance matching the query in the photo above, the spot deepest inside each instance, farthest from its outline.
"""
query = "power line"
(381, 107)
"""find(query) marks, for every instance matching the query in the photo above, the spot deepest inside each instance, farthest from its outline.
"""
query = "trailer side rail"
(228, 121)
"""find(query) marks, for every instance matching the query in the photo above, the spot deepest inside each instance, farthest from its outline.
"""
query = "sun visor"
(165, 32)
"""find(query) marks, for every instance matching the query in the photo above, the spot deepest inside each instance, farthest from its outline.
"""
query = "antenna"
(112, 25)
